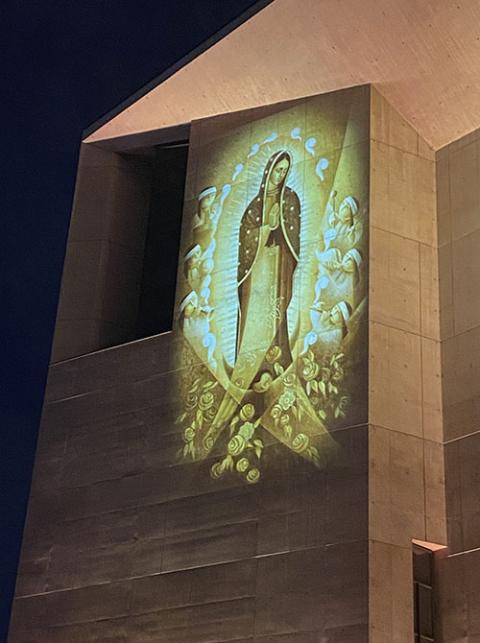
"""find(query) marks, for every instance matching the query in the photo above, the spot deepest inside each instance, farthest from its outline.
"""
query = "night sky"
(68, 62)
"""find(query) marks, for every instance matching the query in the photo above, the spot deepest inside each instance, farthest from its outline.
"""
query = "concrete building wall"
(125, 542)
(458, 173)
(121, 545)
(406, 493)
(104, 256)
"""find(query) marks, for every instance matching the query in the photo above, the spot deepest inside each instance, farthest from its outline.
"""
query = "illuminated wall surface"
(271, 348)
(211, 484)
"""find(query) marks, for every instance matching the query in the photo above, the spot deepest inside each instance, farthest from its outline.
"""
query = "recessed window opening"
(157, 292)
(423, 595)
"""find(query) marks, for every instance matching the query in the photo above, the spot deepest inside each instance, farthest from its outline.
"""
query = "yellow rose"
(253, 476)
(210, 413)
(242, 465)
(216, 470)
(300, 443)
(189, 434)
(247, 412)
(206, 401)
(191, 401)
(236, 445)
(289, 380)
(273, 354)
(276, 411)
(208, 442)
(310, 370)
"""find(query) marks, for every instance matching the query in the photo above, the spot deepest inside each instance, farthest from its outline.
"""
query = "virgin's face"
(279, 172)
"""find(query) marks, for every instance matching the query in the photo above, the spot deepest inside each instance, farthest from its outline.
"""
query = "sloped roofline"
(185, 60)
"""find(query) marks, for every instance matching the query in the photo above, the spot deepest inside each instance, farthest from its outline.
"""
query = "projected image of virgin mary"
(269, 244)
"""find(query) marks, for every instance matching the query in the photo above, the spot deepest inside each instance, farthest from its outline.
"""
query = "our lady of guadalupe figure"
(269, 245)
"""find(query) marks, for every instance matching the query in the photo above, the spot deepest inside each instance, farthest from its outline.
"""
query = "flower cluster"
(200, 410)
(284, 412)
(322, 381)
(241, 444)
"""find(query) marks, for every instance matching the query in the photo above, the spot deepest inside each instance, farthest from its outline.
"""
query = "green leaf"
(195, 385)
(208, 386)
(322, 414)
(258, 443)
(186, 450)
(308, 388)
(181, 418)
(315, 386)
(233, 424)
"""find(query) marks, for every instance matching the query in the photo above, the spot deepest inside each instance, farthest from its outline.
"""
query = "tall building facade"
(294, 458)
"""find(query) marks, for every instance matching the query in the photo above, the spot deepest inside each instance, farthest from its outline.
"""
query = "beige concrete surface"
(423, 55)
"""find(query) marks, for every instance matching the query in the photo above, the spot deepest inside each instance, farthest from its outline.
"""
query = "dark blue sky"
(67, 63)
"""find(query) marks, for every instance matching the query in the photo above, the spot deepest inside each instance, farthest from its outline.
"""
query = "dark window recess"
(157, 295)
(423, 595)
